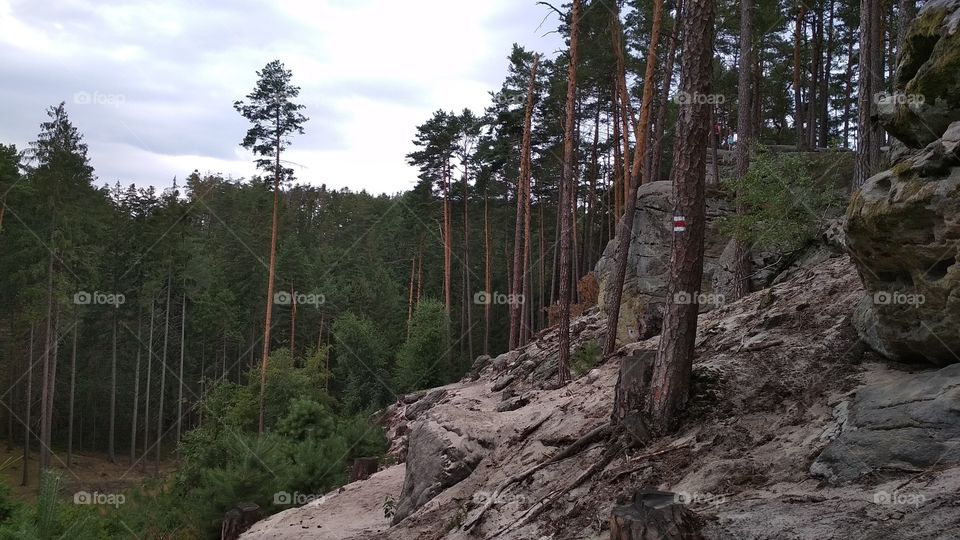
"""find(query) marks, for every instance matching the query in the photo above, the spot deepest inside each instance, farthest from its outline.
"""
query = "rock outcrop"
(903, 226)
(908, 424)
(438, 456)
(648, 260)
(927, 97)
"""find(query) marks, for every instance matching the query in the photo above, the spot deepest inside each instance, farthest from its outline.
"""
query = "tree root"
(546, 501)
(592, 436)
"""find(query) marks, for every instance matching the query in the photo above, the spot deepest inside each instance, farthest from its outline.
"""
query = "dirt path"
(354, 511)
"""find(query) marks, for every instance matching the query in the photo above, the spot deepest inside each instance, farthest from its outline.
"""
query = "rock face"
(438, 457)
(648, 261)
(927, 99)
(903, 227)
(912, 423)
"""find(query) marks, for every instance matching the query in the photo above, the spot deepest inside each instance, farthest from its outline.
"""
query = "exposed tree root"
(592, 436)
(546, 501)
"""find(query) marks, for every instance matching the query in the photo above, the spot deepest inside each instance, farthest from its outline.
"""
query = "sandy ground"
(356, 510)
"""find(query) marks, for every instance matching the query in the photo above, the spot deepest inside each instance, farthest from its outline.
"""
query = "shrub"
(783, 203)
(423, 359)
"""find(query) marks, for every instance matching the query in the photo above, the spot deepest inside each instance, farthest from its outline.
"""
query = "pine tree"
(674, 363)
(275, 118)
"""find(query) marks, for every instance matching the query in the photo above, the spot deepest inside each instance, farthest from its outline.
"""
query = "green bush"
(783, 202)
(423, 361)
(361, 364)
(585, 358)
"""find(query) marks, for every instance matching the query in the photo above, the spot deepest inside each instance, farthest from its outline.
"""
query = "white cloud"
(370, 72)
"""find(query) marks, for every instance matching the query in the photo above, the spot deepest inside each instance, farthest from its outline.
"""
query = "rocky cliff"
(903, 226)
(798, 431)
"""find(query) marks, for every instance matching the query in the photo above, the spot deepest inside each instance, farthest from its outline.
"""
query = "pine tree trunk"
(487, 274)
(271, 275)
(136, 393)
(848, 99)
(447, 241)
(745, 98)
(183, 346)
(521, 230)
(825, 78)
(27, 402)
(661, 121)
(625, 230)
(46, 388)
(797, 88)
(467, 300)
(73, 387)
(865, 142)
(146, 389)
(113, 394)
(163, 370)
(566, 191)
(413, 271)
(674, 362)
(293, 322)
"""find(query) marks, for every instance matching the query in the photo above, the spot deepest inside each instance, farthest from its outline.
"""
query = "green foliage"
(783, 202)
(361, 358)
(585, 358)
(305, 420)
(423, 361)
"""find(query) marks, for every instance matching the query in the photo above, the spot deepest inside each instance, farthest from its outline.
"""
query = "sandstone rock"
(479, 365)
(513, 403)
(438, 457)
(927, 97)
(912, 423)
(902, 230)
(648, 260)
(425, 403)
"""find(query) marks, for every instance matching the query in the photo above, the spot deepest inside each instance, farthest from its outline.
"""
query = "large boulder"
(903, 226)
(439, 455)
(910, 423)
(648, 261)
(903, 233)
(927, 96)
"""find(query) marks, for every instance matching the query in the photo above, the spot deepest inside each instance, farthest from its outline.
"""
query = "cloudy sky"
(151, 84)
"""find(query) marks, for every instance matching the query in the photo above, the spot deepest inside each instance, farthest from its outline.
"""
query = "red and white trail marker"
(679, 223)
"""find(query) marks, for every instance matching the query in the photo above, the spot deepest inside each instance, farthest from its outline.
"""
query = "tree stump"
(654, 515)
(238, 519)
(363, 468)
(630, 394)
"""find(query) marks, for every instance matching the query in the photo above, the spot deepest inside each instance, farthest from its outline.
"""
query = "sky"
(151, 84)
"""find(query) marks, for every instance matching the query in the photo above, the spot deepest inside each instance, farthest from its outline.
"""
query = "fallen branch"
(644, 458)
(546, 501)
(591, 436)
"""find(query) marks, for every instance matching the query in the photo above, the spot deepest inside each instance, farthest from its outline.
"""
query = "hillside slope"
(776, 376)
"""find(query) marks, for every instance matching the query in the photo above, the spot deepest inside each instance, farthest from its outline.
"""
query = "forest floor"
(91, 471)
